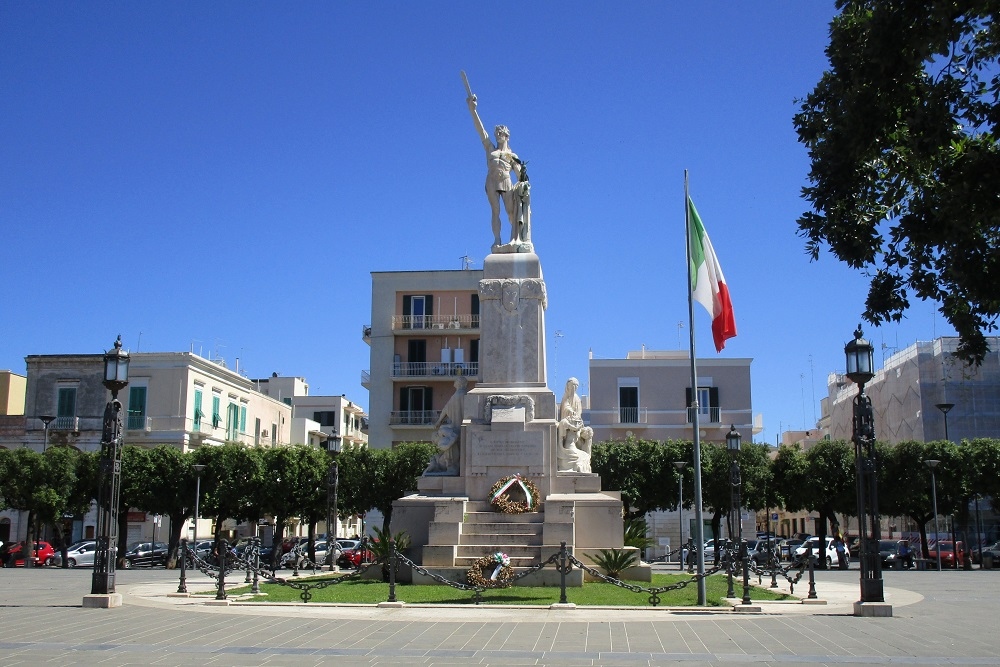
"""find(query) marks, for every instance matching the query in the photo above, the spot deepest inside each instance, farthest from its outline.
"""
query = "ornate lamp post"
(733, 442)
(680, 465)
(945, 408)
(332, 445)
(115, 379)
(859, 353)
(932, 464)
(46, 420)
(198, 469)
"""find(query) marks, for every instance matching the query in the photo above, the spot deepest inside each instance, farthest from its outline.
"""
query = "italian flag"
(708, 285)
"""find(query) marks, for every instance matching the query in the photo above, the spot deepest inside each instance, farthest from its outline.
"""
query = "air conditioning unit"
(263, 434)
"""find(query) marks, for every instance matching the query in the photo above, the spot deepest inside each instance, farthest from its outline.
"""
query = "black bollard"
(255, 589)
(812, 574)
(727, 545)
(745, 557)
(773, 560)
(563, 562)
(223, 548)
(182, 587)
(392, 570)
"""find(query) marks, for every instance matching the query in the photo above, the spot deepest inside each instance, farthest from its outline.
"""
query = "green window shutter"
(216, 417)
(66, 406)
(243, 419)
(197, 408)
(137, 401)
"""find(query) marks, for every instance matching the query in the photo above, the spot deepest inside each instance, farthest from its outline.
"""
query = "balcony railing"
(435, 322)
(630, 415)
(432, 368)
(413, 417)
(705, 415)
(66, 424)
(139, 423)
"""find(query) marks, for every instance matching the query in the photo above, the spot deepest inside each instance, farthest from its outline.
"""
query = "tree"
(169, 491)
(397, 472)
(288, 487)
(901, 133)
(984, 466)
(638, 469)
(909, 491)
(831, 482)
(232, 472)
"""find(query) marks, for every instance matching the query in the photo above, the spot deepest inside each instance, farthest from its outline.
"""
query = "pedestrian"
(905, 554)
(838, 543)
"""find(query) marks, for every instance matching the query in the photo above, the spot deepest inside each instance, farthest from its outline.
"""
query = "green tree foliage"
(397, 472)
(170, 490)
(983, 466)
(232, 474)
(902, 138)
(831, 480)
(639, 469)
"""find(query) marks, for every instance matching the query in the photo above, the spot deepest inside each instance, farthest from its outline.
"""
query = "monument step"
(492, 528)
(483, 549)
(526, 539)
(486, 516)
(487, 506)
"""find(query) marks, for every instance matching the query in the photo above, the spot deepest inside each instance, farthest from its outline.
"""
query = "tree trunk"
(174, 538)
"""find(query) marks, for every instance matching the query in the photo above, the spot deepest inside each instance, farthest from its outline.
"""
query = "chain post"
(392, 570)
(774, 569)
(812, 573)
(562, 573)
(727, 545)
(223, 548)
(745, 557)
(255, 588)
(182, 586)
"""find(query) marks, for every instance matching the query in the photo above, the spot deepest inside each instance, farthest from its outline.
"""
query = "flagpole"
(699, 523)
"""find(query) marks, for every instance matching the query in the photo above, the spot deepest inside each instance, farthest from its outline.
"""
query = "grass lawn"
(372, 592)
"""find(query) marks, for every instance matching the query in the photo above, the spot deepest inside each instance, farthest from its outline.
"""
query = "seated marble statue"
(570, 429)
(448, 433)
(574, 454)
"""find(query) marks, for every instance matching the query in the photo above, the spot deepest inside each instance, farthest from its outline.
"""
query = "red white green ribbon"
(516, 479)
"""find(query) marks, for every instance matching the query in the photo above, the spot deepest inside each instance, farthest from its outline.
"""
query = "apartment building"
(424, 331)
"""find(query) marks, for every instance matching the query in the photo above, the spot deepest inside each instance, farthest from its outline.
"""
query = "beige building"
(12, 388)
(424, 331)
(647, 395)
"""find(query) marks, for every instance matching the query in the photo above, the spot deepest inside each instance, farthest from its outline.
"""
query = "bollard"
(772, 559)
(562, 573)
(223, 548)
(255, 589)
(729, 568)
(745, 557)
(295, 561)
(246, 555)
(182, 587)
(392, 570)
(812, 573)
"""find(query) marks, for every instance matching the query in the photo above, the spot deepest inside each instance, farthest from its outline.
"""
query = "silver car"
(81, 554)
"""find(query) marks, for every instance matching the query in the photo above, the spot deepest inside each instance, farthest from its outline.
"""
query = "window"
(326, 417)
(216, 415)
(415, 405)
(417, 311)
(243, 419)
(708, 404)
(475, 311)
(628, 405)
(66, 408)
(232, 421)
(198, 414)
(416, 357)
(274, 434)
(256, 431)
(136, 407)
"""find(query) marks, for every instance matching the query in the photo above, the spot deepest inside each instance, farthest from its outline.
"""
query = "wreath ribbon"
(503, 489)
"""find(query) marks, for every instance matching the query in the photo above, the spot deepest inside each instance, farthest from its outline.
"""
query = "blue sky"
(223, 177)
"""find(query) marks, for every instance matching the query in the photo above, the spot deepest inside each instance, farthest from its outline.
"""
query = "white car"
(831, 551)
(81, 553)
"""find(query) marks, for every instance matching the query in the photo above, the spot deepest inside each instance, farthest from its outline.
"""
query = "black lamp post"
(932, 464)
(733, 442)
(46, 420)
(945, 408)
(860, 364)
(332, 445)
(198, 469)
(109, 488)
(680, 465)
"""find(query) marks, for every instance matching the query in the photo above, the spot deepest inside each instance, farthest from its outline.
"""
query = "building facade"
(424, 331)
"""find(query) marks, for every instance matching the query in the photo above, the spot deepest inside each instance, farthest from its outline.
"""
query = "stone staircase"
(485, 531)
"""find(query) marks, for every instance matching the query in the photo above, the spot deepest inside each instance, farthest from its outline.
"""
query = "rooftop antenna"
(555, 371)
(680, 326)
(466, 262)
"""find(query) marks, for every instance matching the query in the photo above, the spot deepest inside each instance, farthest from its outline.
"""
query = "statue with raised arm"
(501, 161)
(448, 433)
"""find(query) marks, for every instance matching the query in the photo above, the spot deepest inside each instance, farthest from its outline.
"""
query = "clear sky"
(223, 177)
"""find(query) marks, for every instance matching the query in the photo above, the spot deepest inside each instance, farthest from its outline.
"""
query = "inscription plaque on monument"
(510, 448)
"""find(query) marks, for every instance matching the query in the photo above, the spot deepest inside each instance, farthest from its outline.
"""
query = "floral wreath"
(500, 495)
(498, 573)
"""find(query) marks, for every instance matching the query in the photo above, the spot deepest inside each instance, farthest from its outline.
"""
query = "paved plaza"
(947, 618)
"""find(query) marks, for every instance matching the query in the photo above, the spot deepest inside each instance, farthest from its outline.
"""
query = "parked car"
(787, 547)
(300, 553)
(354, 557)
(762, 550)
(145, 554)
(829, 553)
(79, 554)
(947, 548)
(203, 548)
(44, 554)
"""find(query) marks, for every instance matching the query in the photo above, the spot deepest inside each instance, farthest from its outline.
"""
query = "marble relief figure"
(574, 439)
(448, 433)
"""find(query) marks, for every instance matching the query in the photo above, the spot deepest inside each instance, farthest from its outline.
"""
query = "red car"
(352, 557)
(44, 554)
(947, 553)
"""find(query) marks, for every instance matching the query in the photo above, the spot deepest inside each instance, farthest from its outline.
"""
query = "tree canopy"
(905, 167)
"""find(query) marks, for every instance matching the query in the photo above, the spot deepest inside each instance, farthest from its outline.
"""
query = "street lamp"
(680, 465)
(198, 469)
(105, 556)
(945, 408)
(733, 442)
(46, 420)
(860, 369)
(934, 463)
(332, 446)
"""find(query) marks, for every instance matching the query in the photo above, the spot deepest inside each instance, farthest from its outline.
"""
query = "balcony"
(456, 323)
(66, 424)
(705, 415)
(138, 423)
(366, 379)
(632, 415)
(411, 369)
(413, 417)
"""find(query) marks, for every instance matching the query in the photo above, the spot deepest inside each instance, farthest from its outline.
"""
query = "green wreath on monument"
(515, 495)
